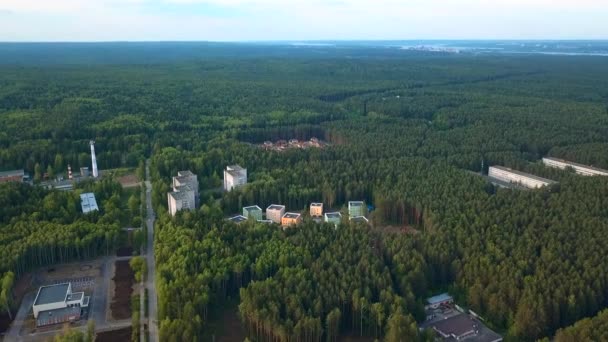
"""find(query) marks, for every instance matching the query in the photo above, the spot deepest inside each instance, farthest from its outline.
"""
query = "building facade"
(513, 176)
(234, 177)
(580, 169)
(253, 212)
(291, 219)
(185, 193)
(16, 176)
(275, 213)
(356, 208)
(316, 209)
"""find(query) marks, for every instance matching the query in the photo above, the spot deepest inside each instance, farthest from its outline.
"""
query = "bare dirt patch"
(128, 181)
(123, 334)
(123, 288)
(124, 251)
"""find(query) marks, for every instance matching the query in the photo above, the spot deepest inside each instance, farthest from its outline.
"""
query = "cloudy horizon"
(300, 20)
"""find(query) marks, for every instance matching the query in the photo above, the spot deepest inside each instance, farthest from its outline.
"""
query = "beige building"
(291, 219)
(275, 213)
(316, 209)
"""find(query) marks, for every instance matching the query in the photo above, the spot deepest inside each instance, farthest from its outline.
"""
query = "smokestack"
(93, 159)
(70, 172)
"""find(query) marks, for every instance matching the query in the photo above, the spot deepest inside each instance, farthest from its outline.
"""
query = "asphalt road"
(151, 275)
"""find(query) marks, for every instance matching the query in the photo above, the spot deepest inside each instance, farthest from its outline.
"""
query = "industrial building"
(316, 209)
(517, 177)
(291, 219)
(275, 213)
(185, 192)
(238, 219)
(253, 212)
(234, 177)
(88, 202)
(57, 303)
(580, 169)
(356, 208)
(334, 218)
(16, 176)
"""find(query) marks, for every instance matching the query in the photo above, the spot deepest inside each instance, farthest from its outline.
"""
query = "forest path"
(151, 274)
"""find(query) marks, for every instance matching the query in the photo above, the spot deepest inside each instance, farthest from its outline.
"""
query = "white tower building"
(93, 159)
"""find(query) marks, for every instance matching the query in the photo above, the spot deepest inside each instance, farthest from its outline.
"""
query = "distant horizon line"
(308, 40)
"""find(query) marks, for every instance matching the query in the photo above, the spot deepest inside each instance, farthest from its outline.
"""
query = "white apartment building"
(234, 176)
(275, 213)
(580, 169)
(513, 176)
(185, 193)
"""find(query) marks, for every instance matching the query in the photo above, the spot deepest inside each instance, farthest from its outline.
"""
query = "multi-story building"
(291, 219)
(234, 177)
(581, 169)
(275, 213)
(356, 208)
(253, 212)
(513, 176)
(334, 218)
(185, 192)
(12, 176)
(316, 209)
(57, 303)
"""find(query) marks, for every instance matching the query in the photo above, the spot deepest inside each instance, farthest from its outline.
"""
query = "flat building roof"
(291, 215)
(88, 202)
(355, 203)
(275, 207)
(252, 207)
(316, 204)
(333, 215)
(12, 173)
(52, 294)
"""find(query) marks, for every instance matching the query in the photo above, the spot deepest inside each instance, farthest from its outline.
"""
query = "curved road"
(151, 274)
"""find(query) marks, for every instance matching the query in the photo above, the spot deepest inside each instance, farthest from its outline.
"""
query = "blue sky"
(252, 20)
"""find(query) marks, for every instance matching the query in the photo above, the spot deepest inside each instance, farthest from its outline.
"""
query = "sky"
(271, 20)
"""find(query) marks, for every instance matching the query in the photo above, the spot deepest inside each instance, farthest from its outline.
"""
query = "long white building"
(513, 176)
(581, 169)
(88, 202)
(185, 193)
(234, 176)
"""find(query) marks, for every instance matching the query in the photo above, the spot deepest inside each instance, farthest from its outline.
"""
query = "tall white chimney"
(93, 159)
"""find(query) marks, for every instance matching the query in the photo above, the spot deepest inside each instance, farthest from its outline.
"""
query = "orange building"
(291, 219)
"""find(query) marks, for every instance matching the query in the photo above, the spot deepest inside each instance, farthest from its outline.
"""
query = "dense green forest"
(405, 130)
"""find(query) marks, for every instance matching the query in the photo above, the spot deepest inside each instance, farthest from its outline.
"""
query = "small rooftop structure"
(88, 202)
(238, 219)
